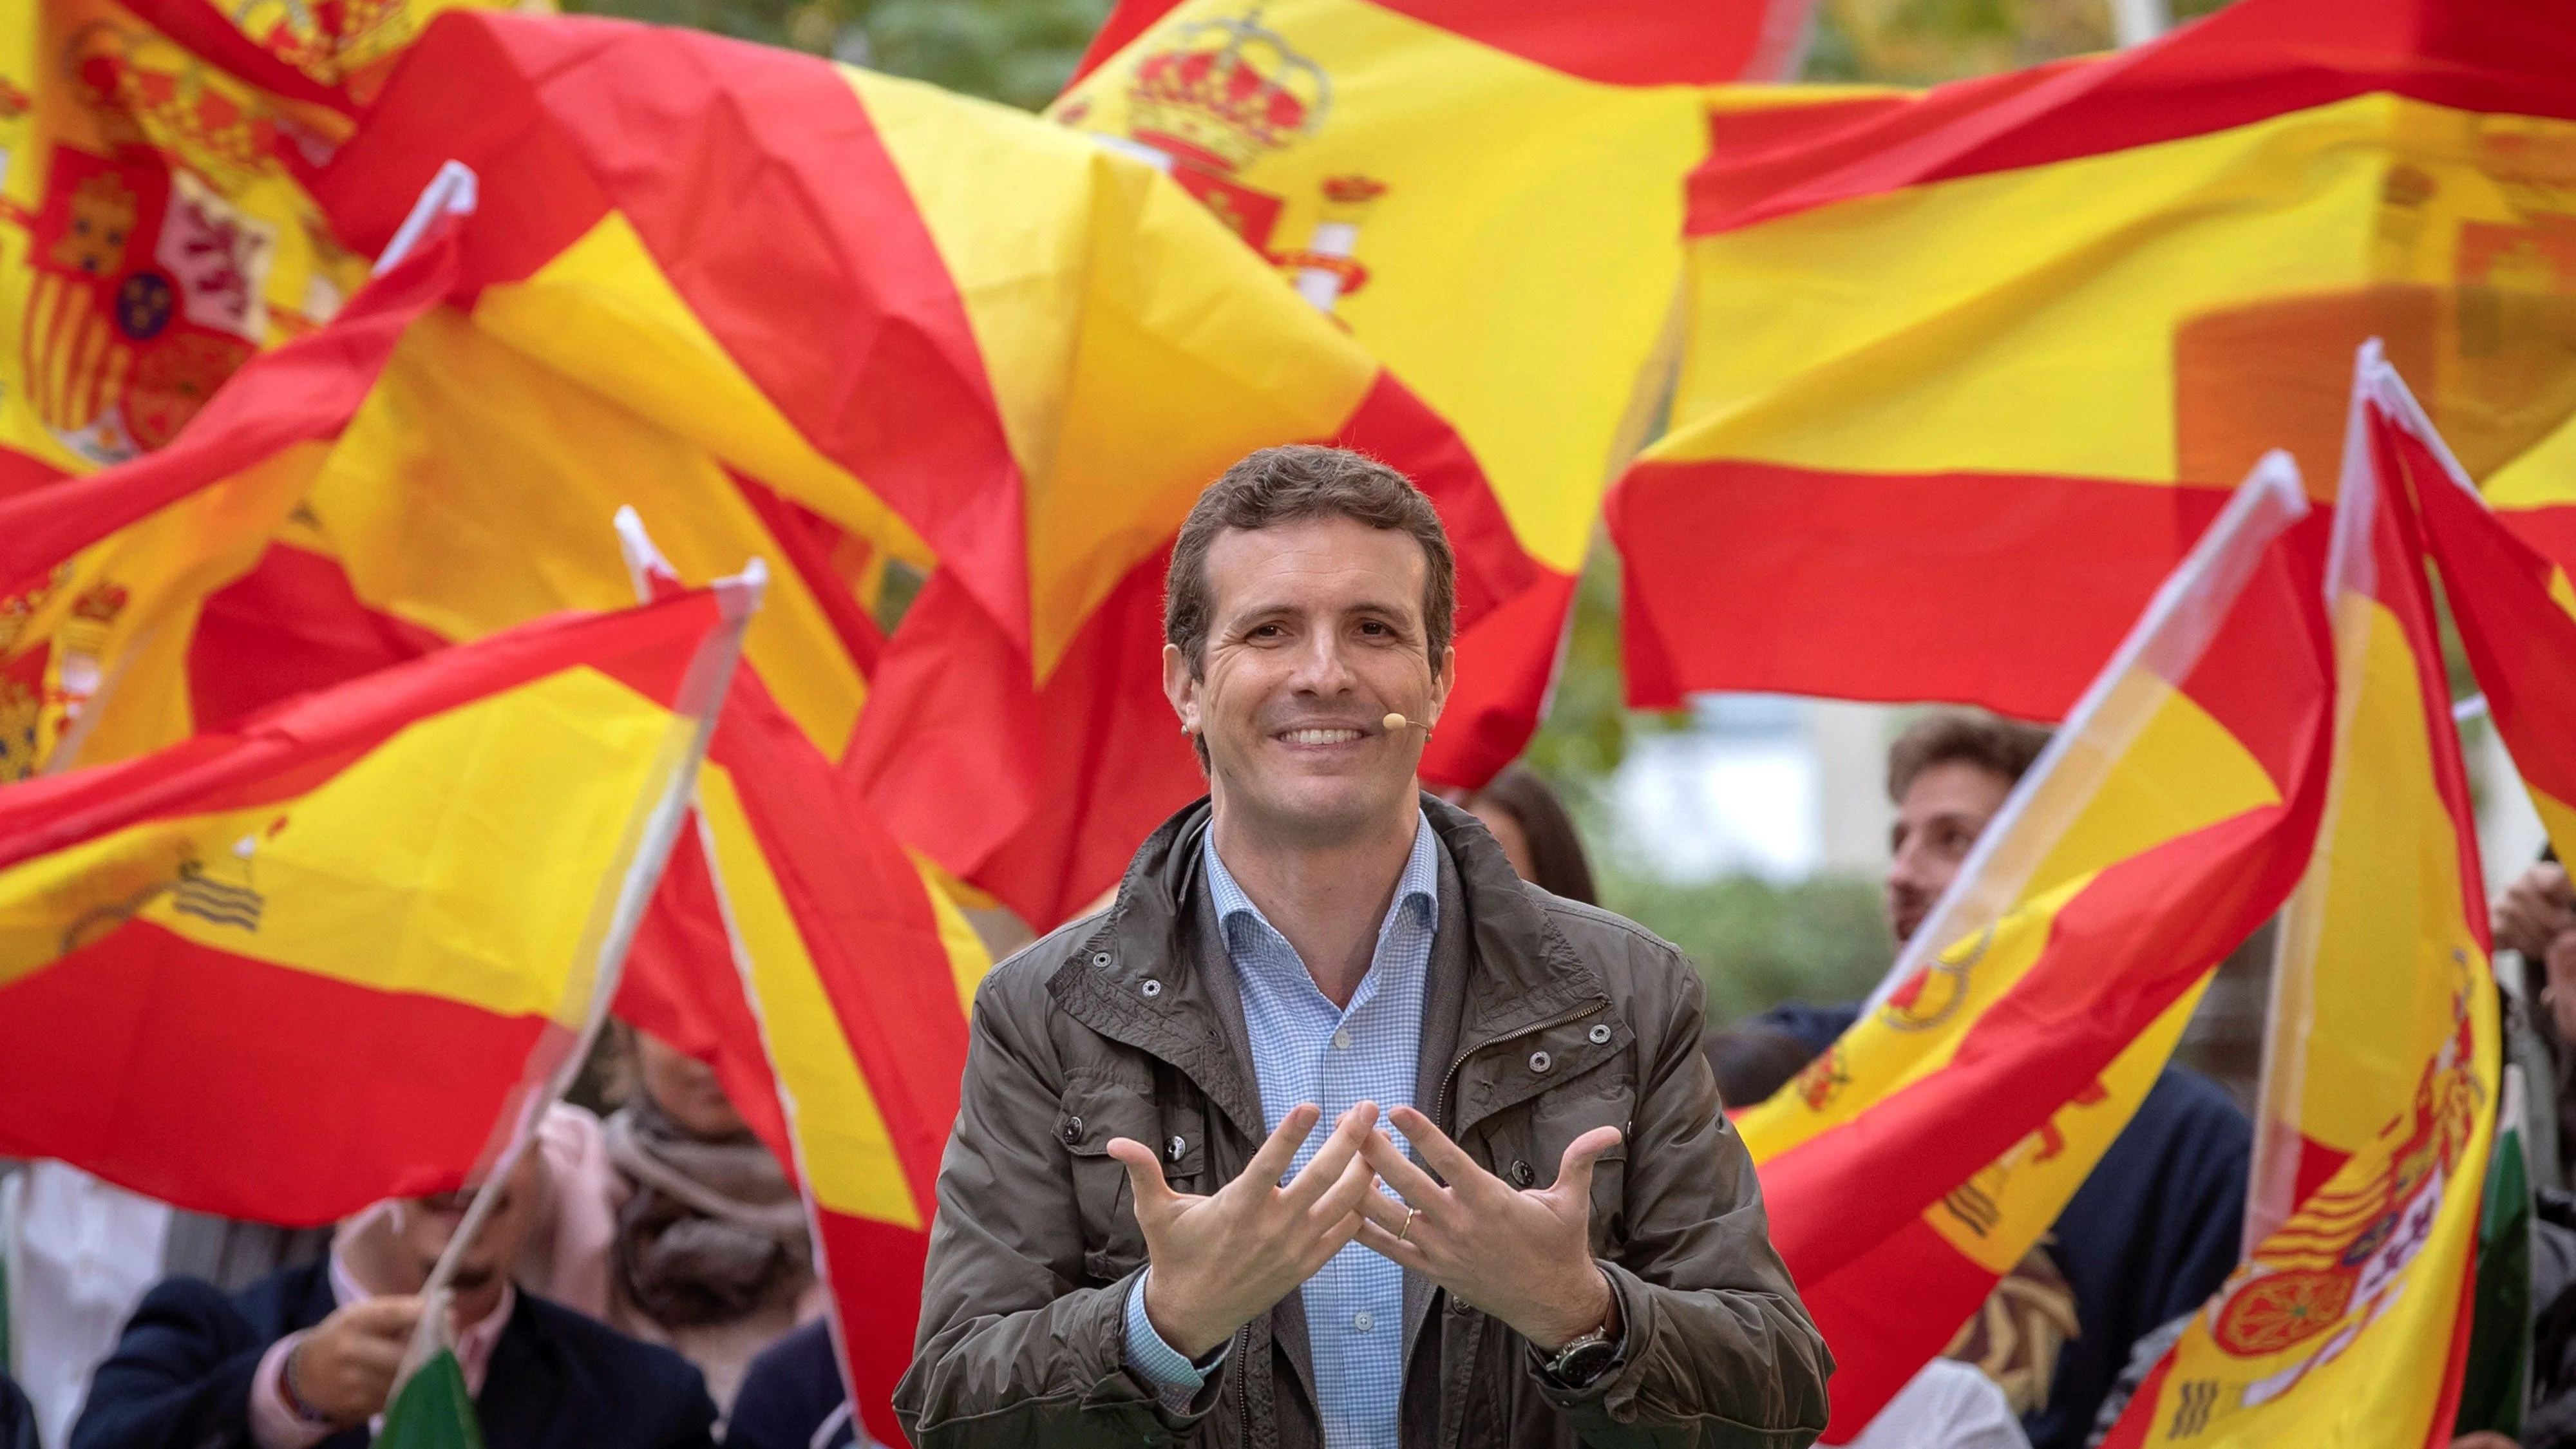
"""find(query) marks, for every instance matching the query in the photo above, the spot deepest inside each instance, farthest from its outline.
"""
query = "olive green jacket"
(1542, 1020)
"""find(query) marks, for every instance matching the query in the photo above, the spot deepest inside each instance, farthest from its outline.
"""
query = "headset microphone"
(1394, 722)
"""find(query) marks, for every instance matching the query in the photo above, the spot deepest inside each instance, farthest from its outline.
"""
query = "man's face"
(1943, 812)
(1315, 634)
(423, 1226)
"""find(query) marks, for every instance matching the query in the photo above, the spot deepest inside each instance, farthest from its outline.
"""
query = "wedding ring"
(1409, 1215)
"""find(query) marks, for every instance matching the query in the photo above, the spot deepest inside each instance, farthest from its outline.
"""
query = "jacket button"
(1541, 1061)
(1072, 1130)
(1152, 989)
(1522, 1175)
(1174, 1148)
(1599, 1034)
(1099, 958)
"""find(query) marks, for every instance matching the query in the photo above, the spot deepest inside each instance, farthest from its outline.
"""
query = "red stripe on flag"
(866, 919)
(305, 390)
(358, 1093)
(805, 540)
(2249, 62)
(682, 985)
(2005, 590)
(2120, 952)
(291, 625)
(811, 267)
(2518, 639)
(1506, 662)
(875, 1269)
(290, 749)
(1882, 1338)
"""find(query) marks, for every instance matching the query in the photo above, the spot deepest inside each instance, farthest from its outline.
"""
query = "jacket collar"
(1135, 977)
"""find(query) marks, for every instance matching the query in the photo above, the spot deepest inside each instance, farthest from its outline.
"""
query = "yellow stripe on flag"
(844, 1152)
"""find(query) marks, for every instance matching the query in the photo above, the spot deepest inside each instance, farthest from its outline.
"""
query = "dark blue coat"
(181, 1375)
(790, 1393)
(2148, 1237)
(17, 1416)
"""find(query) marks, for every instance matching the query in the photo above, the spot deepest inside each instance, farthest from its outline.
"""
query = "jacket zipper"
(1440, 1108)
(1243, 1383)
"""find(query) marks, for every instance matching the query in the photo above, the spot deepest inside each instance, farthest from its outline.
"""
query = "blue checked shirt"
(1305, 1049)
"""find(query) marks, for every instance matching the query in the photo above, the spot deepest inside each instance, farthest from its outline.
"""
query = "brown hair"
(1283, 485)
(1556, 851)
(2006, 747)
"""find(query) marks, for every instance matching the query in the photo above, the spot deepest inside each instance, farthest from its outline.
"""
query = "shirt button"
(1342, 1039)
(1363, 1321)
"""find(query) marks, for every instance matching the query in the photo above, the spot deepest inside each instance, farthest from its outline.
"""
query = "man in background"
(2158, 1226)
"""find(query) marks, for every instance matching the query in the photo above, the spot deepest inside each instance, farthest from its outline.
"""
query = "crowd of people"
(646, 1277)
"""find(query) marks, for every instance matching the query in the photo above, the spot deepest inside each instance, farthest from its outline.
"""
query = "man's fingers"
(1574, 1173)
(392, 1317)
(1446, 1157)
(1270, 1164)
(1345, 1194)
(1144, 1174)
(1410, 1182)
(1335, 1157)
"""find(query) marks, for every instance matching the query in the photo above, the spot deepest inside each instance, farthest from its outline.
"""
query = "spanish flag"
(156, 231)
(1969, 370)
(806, 946)
(2347, 1319)
(339, 952)
(1922, 1155)
(975, 342)
(108, 575)
(2514, 606)
(1490, 197)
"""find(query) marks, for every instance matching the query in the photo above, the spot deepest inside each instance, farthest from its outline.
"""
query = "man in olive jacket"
(1526, 1221)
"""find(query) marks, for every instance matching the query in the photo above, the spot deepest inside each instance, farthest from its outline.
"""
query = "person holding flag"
(308, 1357)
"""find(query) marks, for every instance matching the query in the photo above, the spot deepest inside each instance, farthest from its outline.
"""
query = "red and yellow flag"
(827, 976)
(2348, 1318)
(1969, 370)
(1922, 1155)
(336, 954)
(1490, 197)
(2515, 609)
(801, 272)
(156, 231)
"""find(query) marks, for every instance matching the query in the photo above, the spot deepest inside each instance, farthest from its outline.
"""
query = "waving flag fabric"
(1490, 197)
(1968, 371)
(2514, 606)
(801, 271)
(281, 972)
(1914, 1162)
(2347, 1319)
(827, 976)
(109, 574)
(155, 233)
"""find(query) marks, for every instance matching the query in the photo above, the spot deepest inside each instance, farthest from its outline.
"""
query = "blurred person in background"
(307, 1356)
(2157, 1226)
(794, 1398)
(676, 1225)
(1537, 835)
(17, 1416)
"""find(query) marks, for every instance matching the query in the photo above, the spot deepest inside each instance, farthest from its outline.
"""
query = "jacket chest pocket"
(1092, 1113)
(1528, 1143)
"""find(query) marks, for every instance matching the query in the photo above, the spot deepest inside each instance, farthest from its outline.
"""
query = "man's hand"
(345, 1367)
(2535, 910)
(1221, 1261)
(1524, 1256)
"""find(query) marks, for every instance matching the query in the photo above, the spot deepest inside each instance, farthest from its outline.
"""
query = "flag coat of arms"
(2348, 1315)
(1489, 197)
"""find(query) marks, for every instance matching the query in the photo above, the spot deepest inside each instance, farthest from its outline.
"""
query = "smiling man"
(1331, 1132)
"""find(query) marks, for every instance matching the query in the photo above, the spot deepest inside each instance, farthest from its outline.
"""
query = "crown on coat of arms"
(1224, 91)
(100, 604)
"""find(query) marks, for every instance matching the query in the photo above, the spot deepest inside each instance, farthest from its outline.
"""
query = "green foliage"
(1015, 51)
(1758, 944)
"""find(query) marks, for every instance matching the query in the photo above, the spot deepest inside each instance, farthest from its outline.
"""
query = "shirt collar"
(1420, 882)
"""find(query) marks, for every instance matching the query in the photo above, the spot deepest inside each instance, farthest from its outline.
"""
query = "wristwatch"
(1584, 1359)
